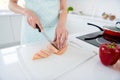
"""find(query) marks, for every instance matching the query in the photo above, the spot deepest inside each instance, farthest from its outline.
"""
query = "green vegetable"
(70, 8)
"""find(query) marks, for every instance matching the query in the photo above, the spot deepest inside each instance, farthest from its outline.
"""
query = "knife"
(49, 40)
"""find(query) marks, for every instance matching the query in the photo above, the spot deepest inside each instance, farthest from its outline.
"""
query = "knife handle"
(38, 27)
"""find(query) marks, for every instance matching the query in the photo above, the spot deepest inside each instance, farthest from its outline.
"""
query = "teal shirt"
(47, 12)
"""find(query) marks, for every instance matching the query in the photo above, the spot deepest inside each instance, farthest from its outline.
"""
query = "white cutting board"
(55, 65)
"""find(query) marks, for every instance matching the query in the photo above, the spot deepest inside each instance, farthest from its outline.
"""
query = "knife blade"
(45, 35)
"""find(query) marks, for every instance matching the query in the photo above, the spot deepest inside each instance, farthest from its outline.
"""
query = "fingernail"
(58, 46)
(61, 47)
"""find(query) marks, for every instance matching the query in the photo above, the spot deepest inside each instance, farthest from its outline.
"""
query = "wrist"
(61, 25)
(25, 12)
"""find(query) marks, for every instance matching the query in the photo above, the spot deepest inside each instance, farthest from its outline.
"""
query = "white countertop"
(91, 70)
(8, 13)
(84, 65)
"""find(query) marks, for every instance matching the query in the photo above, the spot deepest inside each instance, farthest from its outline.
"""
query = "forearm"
(13, 6)
(62, 17)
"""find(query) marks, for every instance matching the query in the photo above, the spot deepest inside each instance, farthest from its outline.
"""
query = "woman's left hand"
(61, 35)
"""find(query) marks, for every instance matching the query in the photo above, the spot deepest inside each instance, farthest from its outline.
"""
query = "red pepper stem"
(111, 45)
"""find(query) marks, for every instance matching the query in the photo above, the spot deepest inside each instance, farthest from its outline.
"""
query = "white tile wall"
(96, 7)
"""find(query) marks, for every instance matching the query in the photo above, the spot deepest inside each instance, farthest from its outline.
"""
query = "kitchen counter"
(7, 13)
(80, 62)
(92, 70)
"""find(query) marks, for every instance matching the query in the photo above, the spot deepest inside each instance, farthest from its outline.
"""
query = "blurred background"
(10, 23)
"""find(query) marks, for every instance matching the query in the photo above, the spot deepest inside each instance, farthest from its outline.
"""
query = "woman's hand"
(61, 35)
(52, 49)
(33, 19)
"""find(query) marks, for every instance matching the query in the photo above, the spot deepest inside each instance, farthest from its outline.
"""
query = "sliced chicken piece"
(41, 54)
(54, 50)
(60, 52)
(36, 56)
(45, 53)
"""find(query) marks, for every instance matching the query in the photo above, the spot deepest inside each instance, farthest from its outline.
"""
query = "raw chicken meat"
(45, 53)
(54, 50)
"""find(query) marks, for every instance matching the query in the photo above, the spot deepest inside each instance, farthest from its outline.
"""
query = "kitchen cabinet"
(6, 34)
(10, 29)
(16, 26)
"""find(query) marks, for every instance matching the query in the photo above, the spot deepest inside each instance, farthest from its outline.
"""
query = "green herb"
(70, 8)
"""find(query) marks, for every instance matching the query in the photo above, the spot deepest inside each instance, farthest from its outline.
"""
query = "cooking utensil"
(109, 33)
(118, 25)
(51, 42)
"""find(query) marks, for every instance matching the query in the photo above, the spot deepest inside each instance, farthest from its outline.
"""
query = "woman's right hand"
(32, 19)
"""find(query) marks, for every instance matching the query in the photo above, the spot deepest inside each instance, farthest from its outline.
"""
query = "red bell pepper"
(109, 53)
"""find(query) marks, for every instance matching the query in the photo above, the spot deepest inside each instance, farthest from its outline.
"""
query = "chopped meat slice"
(62, 50)
(45, 53)
(36, 56)
(54, 50)
(41, 54)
